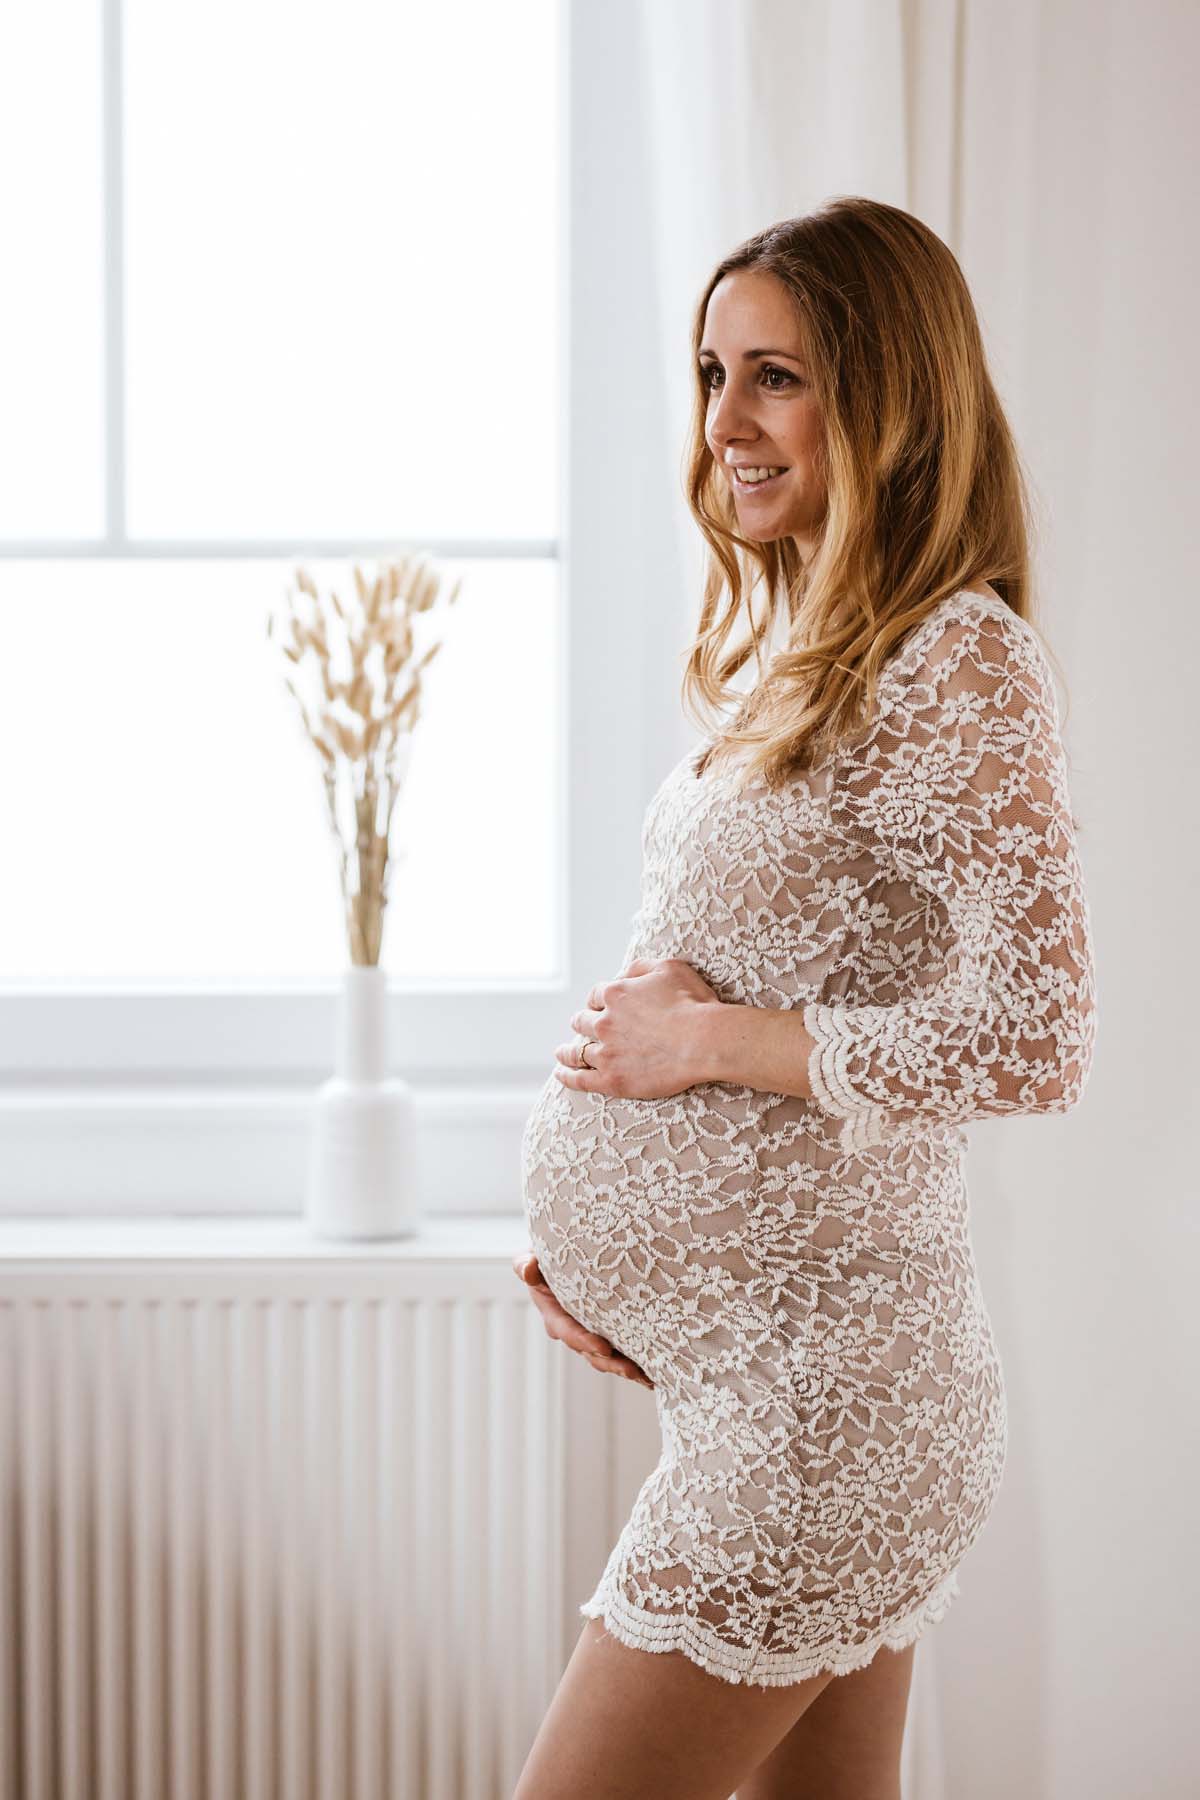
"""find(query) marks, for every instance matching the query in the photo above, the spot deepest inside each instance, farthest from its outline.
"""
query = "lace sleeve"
(960, 785)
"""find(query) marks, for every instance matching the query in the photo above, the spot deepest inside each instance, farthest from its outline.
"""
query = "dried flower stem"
(363, 704)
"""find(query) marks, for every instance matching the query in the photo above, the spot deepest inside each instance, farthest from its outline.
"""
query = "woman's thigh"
(847, 1745)
(625, 1724)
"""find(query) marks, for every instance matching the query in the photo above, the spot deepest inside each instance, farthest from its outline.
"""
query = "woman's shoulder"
(957, 623)
(969, 603)
(985, 602)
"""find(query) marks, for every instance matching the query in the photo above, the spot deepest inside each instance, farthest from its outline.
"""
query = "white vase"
(362, 1174)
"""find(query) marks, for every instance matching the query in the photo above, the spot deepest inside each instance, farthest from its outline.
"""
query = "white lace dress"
(796, 1276)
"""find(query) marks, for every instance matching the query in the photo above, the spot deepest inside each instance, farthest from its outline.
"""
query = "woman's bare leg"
(847, 1745)
(629, 1724)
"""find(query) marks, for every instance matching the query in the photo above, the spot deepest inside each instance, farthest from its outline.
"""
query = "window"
(231, 233)
(297, 287)
(324, 322)
(290, 294)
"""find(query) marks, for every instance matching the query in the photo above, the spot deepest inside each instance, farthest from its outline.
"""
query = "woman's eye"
(709, 371)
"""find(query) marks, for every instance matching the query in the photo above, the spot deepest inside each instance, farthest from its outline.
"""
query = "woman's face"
(761, 409)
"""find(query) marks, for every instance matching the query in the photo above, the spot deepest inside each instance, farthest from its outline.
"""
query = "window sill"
(258, 1261)
(465, 1239)
(182, 1149)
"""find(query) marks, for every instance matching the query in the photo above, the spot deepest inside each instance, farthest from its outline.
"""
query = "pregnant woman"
(862, 925)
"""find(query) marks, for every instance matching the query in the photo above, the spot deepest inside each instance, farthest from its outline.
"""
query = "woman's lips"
(756, 487)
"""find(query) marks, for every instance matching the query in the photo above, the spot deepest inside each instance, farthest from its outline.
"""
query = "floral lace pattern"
(795, 1274)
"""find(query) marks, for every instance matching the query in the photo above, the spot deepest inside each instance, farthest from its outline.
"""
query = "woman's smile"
(770, 485)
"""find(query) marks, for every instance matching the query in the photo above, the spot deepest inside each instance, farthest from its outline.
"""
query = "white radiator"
(289, 1522)
(290, 1531)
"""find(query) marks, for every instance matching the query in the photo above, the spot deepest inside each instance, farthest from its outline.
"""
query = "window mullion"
(113, 163)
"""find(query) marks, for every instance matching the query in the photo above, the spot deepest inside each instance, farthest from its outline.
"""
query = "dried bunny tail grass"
(425, 591)
(350, 742)
(365, 752)
(357, 694)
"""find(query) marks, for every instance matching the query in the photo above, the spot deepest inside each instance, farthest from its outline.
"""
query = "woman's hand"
(649, 1032)
(559, 1324)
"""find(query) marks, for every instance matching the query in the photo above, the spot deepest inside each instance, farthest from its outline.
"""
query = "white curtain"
(1053, 146)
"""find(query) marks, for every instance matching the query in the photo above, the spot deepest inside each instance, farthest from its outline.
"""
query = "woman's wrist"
(755, 1046)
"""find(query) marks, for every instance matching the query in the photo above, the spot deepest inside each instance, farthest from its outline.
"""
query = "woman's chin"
(762, 526)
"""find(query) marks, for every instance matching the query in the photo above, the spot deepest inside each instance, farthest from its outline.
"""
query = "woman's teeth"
(755, 477)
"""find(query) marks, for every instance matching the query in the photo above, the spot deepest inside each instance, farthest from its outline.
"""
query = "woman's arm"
(961, 786)
(755, 1046)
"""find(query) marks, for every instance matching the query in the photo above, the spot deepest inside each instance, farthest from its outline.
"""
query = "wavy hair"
(925, 489)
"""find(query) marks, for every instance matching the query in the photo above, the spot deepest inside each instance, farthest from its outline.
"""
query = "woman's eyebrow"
(750, 355)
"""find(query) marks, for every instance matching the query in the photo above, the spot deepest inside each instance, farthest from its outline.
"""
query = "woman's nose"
(728, 419)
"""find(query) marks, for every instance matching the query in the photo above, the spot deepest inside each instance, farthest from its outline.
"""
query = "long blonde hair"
(925, 489)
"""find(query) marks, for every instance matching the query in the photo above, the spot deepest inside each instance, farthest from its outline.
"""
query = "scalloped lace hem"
(641, 1630)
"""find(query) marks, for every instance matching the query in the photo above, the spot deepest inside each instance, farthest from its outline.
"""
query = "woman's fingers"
(566, 1329)
(562, 1325)
(559, 1322)
(619, 1365)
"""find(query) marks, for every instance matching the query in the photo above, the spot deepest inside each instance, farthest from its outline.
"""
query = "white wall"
(1080, 240)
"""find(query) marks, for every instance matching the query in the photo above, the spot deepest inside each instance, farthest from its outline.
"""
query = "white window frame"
(221, 1078)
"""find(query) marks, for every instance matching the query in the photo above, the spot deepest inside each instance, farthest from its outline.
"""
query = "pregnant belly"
(641, 1214)
(722, 1235)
